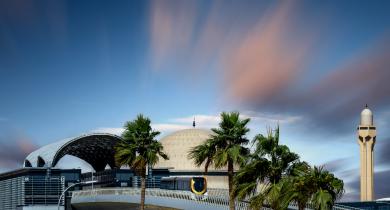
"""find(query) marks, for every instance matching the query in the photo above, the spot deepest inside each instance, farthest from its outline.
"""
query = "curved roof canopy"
(96, 149)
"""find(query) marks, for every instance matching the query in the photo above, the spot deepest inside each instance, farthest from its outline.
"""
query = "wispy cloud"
(338, 165)
(381, 186)
(264, 59)
(271, 118)
(268, 58)
(115, 131)
(172, 26)
(13, 150)
(162, 127)
(166, 127)
(208, 121)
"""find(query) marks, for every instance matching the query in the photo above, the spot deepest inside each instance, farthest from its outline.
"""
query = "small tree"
(139, 148)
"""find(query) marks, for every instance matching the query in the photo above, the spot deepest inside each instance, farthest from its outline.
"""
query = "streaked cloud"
(264, 61)
(381, 186)
(172, 27)
(13, 150)
(268, 59)
(116, 131)
(382, 152)
(162, 127)
(165, 127)
(209, 121)
(338, 164)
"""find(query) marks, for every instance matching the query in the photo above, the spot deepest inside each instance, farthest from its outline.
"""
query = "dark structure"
(123, 178)
(197, 185)
(97, 150)
(368, 205)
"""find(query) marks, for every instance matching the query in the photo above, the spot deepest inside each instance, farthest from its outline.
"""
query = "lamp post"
(63, 192)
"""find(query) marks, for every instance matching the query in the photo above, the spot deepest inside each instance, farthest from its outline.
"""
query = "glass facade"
(42, 190)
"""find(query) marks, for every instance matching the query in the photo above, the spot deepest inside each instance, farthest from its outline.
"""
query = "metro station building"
(40, 183)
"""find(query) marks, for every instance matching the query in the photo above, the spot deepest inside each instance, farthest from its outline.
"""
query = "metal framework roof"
(97, 149)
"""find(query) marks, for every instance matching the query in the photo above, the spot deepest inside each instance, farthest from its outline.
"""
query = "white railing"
(171, 194)
(217, 197)
(294, 205)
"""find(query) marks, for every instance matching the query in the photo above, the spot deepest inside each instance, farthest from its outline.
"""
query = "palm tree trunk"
(230, 180)
(301, 206)
(143, 188)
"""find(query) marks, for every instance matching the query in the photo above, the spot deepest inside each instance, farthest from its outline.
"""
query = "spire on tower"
(366, 106)
(193, 123)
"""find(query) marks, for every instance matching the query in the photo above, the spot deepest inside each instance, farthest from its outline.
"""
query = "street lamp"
(63, 192)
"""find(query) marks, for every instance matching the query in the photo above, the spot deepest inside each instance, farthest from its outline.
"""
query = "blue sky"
(70, 67)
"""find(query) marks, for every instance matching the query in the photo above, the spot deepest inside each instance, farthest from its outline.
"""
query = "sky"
(74, 67)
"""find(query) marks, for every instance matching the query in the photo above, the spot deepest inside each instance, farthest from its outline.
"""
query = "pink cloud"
(267, 59)
(13, 150)
(263, 59)
(172, 26)
(246, 49)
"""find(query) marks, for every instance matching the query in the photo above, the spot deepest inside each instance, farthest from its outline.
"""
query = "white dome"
(177, 145)
(366, 117)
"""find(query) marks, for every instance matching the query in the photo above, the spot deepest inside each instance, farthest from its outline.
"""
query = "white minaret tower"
(366, 140)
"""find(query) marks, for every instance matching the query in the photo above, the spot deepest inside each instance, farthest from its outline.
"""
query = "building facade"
(35, 188)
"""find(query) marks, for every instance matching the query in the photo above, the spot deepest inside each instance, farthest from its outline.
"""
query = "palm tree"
(266, 166)
(277, 196)
(301, 185)
(203, 153)
(326, 188)
(280, 157)
(225, 147)
(138, 149)
(283, 178)
(317, 186)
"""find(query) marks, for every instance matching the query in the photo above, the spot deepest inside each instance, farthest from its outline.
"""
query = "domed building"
(177, 145)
